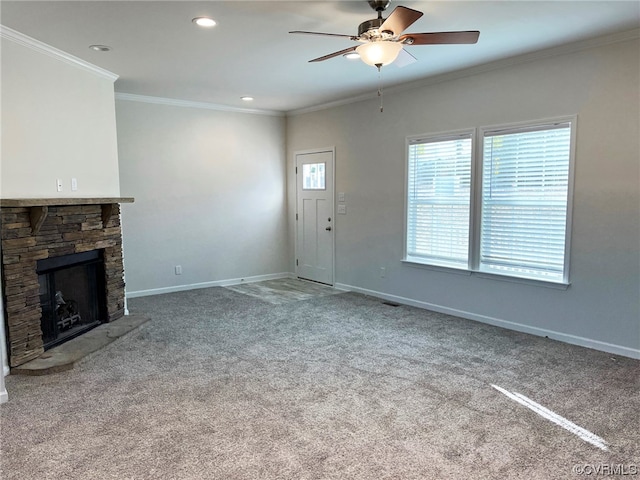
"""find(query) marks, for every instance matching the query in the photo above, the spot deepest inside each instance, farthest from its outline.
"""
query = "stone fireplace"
(50, 248)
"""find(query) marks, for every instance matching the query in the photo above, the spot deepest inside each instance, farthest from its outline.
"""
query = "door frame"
(331, 150)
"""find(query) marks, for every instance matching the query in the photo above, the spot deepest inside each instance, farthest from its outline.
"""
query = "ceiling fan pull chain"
(380, 93)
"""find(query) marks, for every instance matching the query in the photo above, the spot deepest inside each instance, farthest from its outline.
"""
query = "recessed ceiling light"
(351, 55)
(247, 98)
(100, 48)
(204, 22)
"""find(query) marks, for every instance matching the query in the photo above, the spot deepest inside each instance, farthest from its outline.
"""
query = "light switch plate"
(341, 196)
(74, 184)
(342, 209)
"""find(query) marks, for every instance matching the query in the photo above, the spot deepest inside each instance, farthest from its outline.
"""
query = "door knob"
(328, 229)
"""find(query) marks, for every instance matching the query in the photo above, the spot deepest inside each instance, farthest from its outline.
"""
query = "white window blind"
(525, 179)
(438, 198)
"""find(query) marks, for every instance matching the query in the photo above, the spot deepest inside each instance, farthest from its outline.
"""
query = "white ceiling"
(158, 51)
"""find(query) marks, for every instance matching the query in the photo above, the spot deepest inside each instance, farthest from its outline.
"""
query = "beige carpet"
(224, 385)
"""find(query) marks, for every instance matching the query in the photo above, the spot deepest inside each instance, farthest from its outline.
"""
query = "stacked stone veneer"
(65, 230)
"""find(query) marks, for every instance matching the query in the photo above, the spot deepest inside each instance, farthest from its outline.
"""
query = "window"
(439, 187)
(516, 225)
(525, 182)
(313, 176)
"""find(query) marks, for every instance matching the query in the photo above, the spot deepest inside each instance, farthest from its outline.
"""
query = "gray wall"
(60, 124)
(209, 190)
(600, 85)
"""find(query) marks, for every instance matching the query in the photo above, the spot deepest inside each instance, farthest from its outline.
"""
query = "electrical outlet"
(59, 184)
(178, 269)
(74, 184)
(383, 272)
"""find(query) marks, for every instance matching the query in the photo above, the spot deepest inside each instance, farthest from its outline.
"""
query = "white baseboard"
(4, 396)
(518, 327)
(216, 283)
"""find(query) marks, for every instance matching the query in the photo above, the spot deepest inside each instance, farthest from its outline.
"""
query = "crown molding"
(524, 58)
(41, 47)
(174, 102)
(568, 48)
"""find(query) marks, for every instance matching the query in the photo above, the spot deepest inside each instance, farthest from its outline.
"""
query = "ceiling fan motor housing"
(369, 25)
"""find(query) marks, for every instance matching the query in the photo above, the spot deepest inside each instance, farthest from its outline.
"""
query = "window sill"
(525, 281)
(437, 268)
(487, 275)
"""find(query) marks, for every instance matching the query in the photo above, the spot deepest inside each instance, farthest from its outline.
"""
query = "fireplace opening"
(72, 295)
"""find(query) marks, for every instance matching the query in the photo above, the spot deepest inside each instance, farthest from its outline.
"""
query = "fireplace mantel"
(39, 207)
(50, 202)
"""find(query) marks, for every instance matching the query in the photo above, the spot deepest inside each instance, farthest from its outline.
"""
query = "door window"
(313, 176)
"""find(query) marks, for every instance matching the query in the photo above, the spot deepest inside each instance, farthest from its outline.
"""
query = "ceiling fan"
(382, 40)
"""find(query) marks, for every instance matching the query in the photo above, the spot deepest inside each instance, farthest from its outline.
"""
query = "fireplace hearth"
(62, 270)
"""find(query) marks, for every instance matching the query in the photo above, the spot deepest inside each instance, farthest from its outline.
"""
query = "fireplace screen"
(72, 295)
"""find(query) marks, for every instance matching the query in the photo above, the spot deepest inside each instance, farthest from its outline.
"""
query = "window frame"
(475, 209)
(432, 138)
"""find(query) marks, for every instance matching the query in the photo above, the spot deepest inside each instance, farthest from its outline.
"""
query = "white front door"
(315, 222)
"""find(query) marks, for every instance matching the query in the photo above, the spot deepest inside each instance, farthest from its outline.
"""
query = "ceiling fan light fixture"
(379, 53)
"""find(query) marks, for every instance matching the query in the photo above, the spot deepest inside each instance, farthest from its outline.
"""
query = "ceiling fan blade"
(440, 38)
(325, 34)
(399, 20)
(404, 58)
(334, 54)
